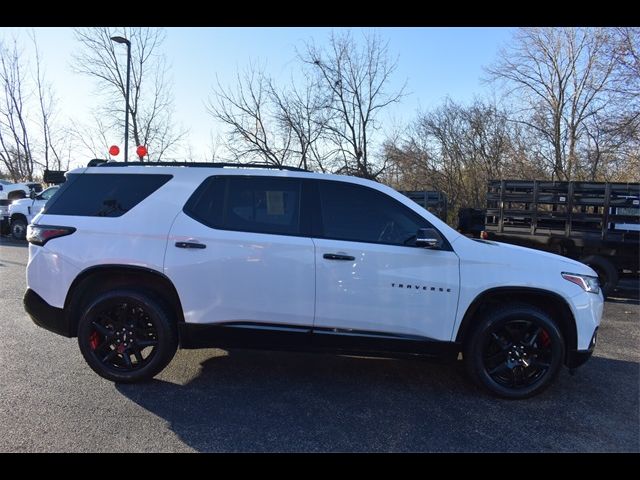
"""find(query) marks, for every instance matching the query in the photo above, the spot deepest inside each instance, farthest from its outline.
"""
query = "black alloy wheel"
(127, 336)
(515, 352)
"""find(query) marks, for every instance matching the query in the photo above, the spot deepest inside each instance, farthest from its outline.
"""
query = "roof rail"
(97, 163)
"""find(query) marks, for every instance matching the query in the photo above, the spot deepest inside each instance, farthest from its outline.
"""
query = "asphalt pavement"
(245, 401)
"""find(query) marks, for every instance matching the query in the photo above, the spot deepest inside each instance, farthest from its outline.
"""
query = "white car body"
(285, 281)
(7, 189)
(30, 207)
(21, 212)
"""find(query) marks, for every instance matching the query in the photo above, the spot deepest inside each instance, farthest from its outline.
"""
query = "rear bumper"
(46, 316)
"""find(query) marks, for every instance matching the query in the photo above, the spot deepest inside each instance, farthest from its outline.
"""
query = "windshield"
(48, 193)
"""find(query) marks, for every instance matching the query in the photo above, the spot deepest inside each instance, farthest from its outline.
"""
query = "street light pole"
(126, 112)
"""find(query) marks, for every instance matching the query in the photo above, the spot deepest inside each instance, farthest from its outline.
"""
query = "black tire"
(19, 228)
(607, 273)
(530, 363)
(127, 335)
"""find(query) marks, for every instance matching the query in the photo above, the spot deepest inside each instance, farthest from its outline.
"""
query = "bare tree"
(617, 141)
(562, 76)
(52, 140)
(627, 55)
(302, 111)
(30, 137)
(246, 110)
(455, 149)
(16, 153)
(92, 136)
(279, 126)
(326, 120)
(151, 100)
(355, 79)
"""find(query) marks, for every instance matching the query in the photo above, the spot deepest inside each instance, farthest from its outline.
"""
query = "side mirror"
(428, 238)
(32, 194)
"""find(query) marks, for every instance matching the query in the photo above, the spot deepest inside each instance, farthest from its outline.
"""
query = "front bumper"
(46, 316)
(575, 358)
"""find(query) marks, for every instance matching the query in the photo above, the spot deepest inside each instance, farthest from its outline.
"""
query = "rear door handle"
(337, 256)
(190, 245)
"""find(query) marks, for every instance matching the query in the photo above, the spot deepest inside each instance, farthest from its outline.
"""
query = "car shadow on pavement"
(12, 242)
(277, 402)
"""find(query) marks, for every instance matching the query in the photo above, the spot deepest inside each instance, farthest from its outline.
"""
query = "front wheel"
(515, 351)
(127, 336)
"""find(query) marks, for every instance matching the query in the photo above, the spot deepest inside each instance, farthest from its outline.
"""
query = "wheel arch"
(102, 278)
(19, 215)
(545, 300)
(16, 195)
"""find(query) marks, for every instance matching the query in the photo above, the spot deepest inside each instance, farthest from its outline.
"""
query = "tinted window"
(103, 195)
(251, 204)
(361, 214)
(206, 205)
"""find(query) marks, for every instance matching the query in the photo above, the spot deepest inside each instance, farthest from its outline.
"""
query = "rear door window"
(249, 204)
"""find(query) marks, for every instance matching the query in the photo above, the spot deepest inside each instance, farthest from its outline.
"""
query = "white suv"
(135, 260)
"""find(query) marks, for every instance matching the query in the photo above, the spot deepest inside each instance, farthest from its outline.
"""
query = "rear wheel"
(19, 228)
(127, 336)
(515, 352)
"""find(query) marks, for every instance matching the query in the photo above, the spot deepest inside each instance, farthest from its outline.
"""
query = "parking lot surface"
(228, 401)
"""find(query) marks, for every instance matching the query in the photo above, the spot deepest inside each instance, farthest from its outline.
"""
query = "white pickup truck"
(22, 211)
(9, 192)
(13, 191)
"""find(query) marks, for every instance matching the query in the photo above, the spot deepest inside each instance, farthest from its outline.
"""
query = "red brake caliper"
(94, 340)
(546, 340)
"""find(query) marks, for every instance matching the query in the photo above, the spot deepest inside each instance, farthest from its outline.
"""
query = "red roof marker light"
(141, 151)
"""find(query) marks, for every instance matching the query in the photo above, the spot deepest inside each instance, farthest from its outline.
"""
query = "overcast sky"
(435, 63)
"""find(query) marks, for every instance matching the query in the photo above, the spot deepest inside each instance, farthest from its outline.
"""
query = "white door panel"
(241, 276)
(386, 288)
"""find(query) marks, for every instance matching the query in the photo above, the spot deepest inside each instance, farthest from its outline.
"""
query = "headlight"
(586, 282)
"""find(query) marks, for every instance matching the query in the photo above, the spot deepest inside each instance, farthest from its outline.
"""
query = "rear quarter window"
(103, 195)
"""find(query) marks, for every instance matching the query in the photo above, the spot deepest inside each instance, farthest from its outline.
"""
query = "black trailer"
(434, 201)
(54, 177)
(596, 223)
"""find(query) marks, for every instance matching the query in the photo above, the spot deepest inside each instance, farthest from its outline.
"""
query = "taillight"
(484, 235)
(41, 234)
